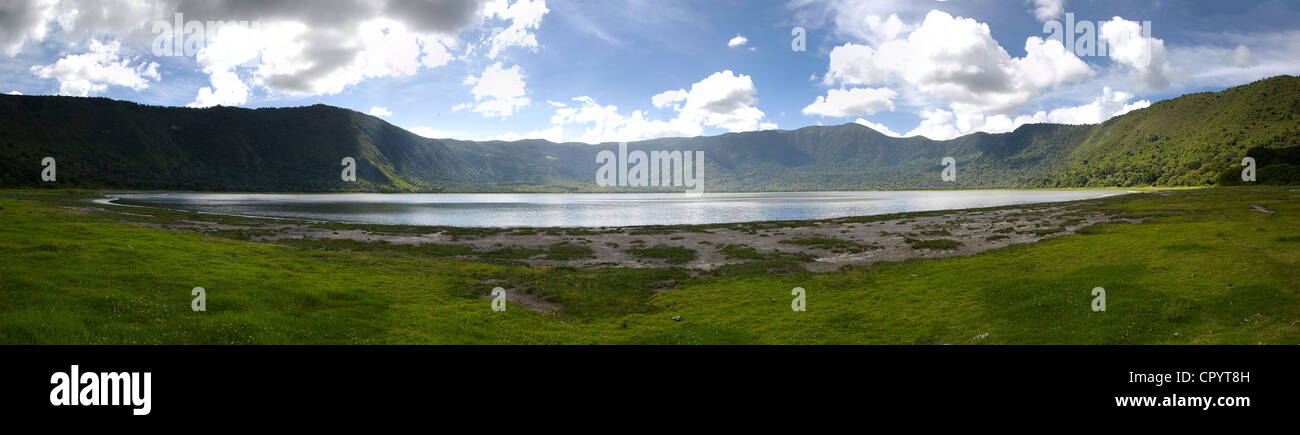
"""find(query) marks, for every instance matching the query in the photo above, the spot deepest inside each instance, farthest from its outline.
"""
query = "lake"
(592, 210)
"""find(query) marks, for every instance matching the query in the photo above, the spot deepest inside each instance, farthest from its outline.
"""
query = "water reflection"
(592, 210)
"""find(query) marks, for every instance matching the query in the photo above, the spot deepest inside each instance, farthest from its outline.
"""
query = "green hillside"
(1196, 139)
(1189, 140)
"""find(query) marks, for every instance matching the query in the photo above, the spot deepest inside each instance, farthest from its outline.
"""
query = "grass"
(1201, 264)
(832, 244)
(668, 253)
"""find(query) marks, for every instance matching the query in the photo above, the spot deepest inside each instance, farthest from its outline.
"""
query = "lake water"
(592, 210)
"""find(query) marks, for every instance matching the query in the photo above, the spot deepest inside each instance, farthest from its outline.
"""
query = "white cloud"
(227, 90)
(950, 61)
(1045, 10)
(600, 123)
(300, 48)
(878, 127)
(942, 124)
(861, 20)
(97, 69)
(958, 60)
(14, 93)
(497, 92)
(23, 21)
(936, 124)
(881, 30)
(376, 48)
(1144, 55)
(669, 98)
(1110, 104)
(291, 57)
(435, 52)
(432, 133)
(1242, 56)
(522, 15)
(853, 102)
(737, 41)
(380, 111)
(553, 134)
(856, 64)
(723, 99)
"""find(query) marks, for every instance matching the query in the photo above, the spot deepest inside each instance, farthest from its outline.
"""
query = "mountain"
(1195, 139)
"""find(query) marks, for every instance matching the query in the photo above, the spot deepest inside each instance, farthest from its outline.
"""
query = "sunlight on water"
(592, 210)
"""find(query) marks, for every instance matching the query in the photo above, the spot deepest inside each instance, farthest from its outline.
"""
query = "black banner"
(411, 381)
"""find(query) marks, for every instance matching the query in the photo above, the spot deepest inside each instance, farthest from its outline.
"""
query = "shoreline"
(114, 199)
(817, 245)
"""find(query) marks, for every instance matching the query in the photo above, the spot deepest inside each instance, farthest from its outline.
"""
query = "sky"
(620, 70)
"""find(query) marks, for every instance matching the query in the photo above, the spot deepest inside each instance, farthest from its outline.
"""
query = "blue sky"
(624, 70)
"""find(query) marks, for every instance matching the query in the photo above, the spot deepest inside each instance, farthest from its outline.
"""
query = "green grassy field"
(1204, 267)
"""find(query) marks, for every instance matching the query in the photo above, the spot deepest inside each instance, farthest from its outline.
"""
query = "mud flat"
(819, 245)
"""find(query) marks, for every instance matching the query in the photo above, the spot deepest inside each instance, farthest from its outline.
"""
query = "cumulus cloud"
(669, 98)
(1045, 10)
(861, 20)
(1110, 104)
(227, 90)
(25, 23)
(603, 123)
(296, 59)
(853, 102)
(498, 92)
(737, 41)
(380, 111)
(958, 60)
(949, 61)
(1143, 54)
(301, 47)
(97, 69)
(21, 21)
(936, 124)
(524, 16)
(724, 100)
(943, 124)
(878, 127)
(857, 64)
(961, 80)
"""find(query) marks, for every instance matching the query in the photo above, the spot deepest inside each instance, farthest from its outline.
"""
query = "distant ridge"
(1195, 139)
